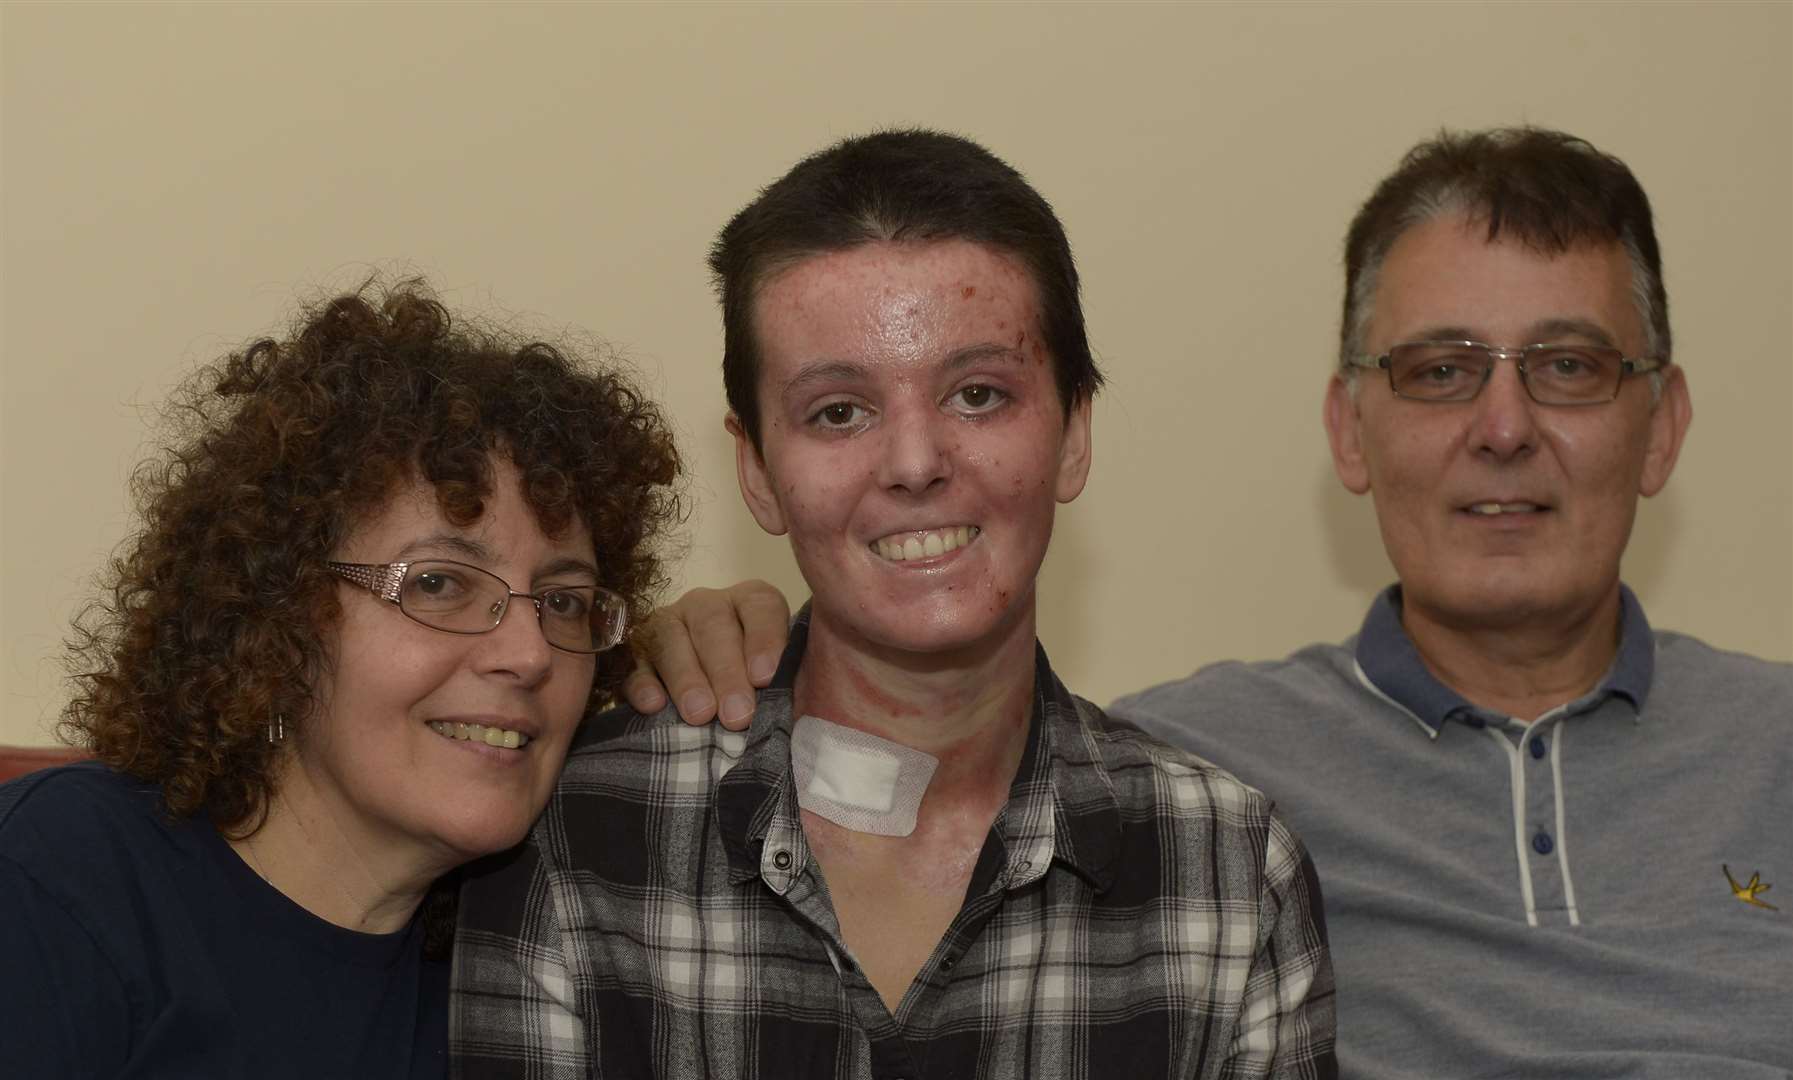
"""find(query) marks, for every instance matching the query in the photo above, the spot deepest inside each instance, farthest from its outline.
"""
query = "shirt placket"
(802, 888)
(1534, 754)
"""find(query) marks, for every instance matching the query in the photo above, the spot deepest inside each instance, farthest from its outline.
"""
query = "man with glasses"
(1546, 832)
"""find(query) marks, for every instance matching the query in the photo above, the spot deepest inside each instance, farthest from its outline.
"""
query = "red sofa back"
(19, 760)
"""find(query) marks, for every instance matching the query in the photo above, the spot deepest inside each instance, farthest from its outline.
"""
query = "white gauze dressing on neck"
(857, 780)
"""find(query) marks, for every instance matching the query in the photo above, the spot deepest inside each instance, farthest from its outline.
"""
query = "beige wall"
(174, 176)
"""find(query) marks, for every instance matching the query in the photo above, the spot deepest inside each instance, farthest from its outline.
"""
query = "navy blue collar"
(1388, 659)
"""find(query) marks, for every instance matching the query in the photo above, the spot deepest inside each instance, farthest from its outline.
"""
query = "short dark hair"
(212, 617)
(898, 185)
(1550, 190)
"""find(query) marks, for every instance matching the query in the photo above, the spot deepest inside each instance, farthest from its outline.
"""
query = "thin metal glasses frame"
(386, 581)
(1628, 366)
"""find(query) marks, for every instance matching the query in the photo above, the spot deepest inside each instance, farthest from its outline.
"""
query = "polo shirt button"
(1537, 746)
(782, 860)
(1541, 842)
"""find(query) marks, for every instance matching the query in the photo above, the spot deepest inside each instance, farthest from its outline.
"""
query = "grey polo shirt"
(1540, 900)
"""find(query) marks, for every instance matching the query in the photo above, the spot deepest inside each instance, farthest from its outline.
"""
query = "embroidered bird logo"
(1749, 894)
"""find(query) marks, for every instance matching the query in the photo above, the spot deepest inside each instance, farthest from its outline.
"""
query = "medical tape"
(857, 780)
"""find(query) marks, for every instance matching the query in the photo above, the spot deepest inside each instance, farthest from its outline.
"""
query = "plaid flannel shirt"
(1136, 912)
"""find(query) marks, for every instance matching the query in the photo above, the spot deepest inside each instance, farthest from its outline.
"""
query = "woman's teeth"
(491, 736)
(902, 547)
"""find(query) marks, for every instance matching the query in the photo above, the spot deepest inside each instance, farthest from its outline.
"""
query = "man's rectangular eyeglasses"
(1442, 371)
(462, 599)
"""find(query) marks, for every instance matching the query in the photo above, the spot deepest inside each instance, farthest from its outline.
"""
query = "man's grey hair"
(1549, 190)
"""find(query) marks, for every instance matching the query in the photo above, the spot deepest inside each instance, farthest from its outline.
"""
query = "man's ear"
(1344, 431)
(757, 489)
(1074, 453)
(1669, 419)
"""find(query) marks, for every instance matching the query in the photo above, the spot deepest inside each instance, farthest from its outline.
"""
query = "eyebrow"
(436, 543)
(1550, 329)
(567, 564)
(477, 553)
(821, 373)
(1542, 332)
(972, 354)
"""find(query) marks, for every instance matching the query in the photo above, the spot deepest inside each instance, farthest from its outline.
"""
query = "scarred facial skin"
(371, 763)
(914, 444)
(1565, 479)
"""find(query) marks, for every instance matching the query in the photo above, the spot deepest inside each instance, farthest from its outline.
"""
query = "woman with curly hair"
(383, 569)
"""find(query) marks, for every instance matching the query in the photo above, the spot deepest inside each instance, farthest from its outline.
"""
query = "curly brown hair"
(210, 619)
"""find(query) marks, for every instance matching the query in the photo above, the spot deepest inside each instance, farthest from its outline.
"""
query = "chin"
(1489, 597)
(485, 827)
(940, 625)
(477, 842)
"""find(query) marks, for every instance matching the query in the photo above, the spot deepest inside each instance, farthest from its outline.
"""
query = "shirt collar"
(1063, 780)
(757, 797)
(1061, 805)
(1388, 661)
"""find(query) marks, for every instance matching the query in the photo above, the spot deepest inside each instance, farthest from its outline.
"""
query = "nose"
(1505, 423)
(517, 647)
(916, 455)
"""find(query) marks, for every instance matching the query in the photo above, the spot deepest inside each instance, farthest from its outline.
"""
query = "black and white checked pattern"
(1136, 913)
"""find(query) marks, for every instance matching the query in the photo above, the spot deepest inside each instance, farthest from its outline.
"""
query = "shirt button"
(1541, 842)
(946, 964)
(782, 860)
(1537, 746)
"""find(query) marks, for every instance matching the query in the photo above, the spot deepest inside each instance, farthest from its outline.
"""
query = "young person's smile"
(913, 443)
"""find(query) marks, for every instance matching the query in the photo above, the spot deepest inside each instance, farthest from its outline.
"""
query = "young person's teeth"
(926, 545)
(491, 736)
